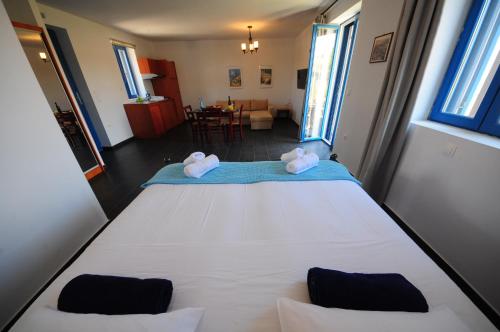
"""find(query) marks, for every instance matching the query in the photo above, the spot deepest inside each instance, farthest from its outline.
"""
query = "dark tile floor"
(132, 164)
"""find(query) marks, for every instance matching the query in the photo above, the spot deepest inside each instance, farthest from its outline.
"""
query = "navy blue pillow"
(359, 291)
(112, 295)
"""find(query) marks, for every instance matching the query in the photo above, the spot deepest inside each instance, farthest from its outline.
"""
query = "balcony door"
(329, 61)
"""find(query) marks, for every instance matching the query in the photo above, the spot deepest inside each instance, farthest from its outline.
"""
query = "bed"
(236, 248)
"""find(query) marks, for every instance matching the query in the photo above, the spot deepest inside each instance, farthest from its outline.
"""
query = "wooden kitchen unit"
(152, 119)
(166, 83)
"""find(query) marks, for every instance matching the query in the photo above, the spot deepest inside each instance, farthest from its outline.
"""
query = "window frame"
(130, 95)
(485, 112)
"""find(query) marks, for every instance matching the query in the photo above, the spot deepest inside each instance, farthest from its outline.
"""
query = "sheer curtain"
(413, 38)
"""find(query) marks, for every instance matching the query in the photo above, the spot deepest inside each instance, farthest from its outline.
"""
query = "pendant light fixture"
(253, 46)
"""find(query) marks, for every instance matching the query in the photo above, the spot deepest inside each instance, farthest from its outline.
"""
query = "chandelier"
(253, 46)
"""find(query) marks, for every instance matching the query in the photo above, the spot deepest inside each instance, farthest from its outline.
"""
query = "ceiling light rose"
(253, 46)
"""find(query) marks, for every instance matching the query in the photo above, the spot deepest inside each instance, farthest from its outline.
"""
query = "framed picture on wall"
(234, 77)
(266, 76)
(381, 47)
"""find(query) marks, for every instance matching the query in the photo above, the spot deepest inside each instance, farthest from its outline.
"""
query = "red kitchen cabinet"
(151, 120)
(166, 84)
(148, 66)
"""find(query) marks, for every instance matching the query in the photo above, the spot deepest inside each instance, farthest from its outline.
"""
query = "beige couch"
(256, 112)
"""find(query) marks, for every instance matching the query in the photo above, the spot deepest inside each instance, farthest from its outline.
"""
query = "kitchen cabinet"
(153, 119)
(148, 66)
(166, 84)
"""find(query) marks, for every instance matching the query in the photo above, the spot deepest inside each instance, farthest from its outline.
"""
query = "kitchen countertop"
(146, 102)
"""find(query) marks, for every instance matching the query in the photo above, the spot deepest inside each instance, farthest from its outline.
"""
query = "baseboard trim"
(469, 291)
(54, 277)
(116, 146)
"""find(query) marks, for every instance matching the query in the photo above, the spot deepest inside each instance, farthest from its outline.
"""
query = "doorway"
(63, 109)
(329, 62)
(69, 63)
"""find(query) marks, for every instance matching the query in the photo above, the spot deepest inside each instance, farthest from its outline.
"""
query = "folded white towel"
(294, 154)
(193, 157)
(302, 164)
(201, 167)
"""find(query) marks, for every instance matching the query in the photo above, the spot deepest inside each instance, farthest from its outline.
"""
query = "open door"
(319, 81)
(343, 63)
(64, 107)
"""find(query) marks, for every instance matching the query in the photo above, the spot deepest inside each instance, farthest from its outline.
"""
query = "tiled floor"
(130, 165)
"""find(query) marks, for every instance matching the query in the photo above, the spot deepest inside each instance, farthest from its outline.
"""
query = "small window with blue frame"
(469, 95)
(126, 70)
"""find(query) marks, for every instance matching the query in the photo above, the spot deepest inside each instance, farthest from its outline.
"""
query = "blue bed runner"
(251, 172)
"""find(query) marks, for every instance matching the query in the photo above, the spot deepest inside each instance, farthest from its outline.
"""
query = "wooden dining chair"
(237, 123)
(210, 120)
(193, 122)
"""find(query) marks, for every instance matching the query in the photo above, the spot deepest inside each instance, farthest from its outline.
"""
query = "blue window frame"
(126, 70)
(468, 96)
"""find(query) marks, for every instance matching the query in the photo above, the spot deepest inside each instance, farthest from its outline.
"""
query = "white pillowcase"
(45, 319)
(303, 317)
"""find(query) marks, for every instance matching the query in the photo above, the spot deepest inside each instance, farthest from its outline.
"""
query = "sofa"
(256, 112)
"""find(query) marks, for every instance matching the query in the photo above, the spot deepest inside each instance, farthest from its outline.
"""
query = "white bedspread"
(235, 249)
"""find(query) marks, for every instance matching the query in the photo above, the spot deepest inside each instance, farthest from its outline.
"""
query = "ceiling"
(198, 19)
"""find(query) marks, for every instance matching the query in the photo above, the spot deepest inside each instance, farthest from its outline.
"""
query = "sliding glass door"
(329, 62)
(321, 67)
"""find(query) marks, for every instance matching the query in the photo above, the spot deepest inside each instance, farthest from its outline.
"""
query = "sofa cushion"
(243, 102)
(259, 116)
(261, 120)
(258, 104)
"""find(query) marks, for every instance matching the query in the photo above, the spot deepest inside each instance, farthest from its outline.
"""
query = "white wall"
(447, 184)
(202, 69)
(47, 77)
(451, 200)
(365, 81)
(91, 43)
(301, 48)
(47, 208)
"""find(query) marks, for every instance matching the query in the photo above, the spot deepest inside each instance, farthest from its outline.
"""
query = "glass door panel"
(346, 42)
(321, 68)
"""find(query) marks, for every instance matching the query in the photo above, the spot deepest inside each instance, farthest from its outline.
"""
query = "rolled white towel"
(201, 167)
(302, 164)
(194, 157)
(294, 154)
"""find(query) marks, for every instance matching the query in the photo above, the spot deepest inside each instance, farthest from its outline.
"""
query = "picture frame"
(266, 76)
(234, 76)
(381, 47)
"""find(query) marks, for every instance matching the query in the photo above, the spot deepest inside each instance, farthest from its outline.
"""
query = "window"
(126, 70)
(468, 97)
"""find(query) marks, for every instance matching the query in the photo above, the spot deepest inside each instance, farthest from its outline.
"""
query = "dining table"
(224, 115)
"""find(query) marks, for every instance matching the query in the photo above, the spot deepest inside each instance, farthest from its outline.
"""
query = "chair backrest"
(188, 112)
(241, 112)
(211, 113)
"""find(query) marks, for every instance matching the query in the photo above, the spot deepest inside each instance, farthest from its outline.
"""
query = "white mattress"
(234, 249)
